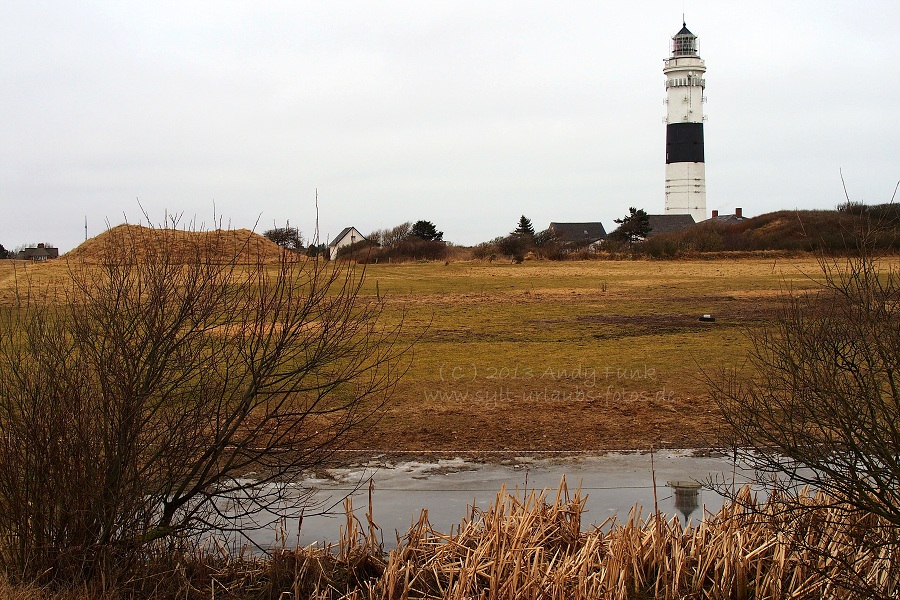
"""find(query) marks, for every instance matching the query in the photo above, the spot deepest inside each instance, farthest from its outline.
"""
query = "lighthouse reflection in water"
(687, 497)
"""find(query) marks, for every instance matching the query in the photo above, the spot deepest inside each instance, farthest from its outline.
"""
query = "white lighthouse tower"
(685, 168)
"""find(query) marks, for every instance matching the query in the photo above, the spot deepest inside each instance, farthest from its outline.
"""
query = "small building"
(669, 223)
(39, 254)
(347, 237)
(578, 233)
(735, 218)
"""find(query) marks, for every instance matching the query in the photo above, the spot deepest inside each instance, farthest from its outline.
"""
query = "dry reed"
(530, 546)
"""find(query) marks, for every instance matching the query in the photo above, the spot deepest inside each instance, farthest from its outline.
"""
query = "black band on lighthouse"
(684, 142)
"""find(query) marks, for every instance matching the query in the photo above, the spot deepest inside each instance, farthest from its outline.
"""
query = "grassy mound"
(178, 245)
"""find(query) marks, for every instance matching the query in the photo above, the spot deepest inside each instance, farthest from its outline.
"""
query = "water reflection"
(687, 497)
(613, 484)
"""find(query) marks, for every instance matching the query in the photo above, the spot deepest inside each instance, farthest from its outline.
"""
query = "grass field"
(555, 356)
(584, 356)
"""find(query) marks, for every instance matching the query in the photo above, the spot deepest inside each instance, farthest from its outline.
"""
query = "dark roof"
(578, 232)
(727, 218)
(685, 30)
(342, 234)
(666, 223)
(39, 253)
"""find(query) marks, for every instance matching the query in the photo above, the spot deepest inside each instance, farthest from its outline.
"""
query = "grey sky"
(468, 114)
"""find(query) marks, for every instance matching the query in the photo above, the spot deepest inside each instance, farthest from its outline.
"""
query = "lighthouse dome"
(685, 30)
(684, 43)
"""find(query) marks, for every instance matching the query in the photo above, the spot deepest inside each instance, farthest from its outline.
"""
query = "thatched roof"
(668, 223)
(578, 232)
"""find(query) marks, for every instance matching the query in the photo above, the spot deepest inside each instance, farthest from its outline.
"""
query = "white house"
(350, 235)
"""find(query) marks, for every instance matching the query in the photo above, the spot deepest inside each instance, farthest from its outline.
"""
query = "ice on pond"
(613, 483)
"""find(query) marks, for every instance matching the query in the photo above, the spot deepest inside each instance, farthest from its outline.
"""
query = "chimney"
(40, 245)
(715, 214)
(737, 213)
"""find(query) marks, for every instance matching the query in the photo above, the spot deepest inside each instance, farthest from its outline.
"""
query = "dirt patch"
(631, 325)
(662, 324)
(560, 427)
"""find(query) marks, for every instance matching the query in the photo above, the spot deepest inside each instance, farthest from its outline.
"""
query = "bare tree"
(392, 236)
(286, 237)
(172, 390)
(818, 406)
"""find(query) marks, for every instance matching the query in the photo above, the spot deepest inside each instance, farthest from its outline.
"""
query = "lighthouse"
(685, 168)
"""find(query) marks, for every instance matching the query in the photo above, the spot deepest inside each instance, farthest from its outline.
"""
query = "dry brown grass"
(9, 591)
(241, 244)
(491, 339)
(530, 545)
(52, 278)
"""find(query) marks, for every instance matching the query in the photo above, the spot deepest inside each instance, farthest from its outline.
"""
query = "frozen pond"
(613, 484)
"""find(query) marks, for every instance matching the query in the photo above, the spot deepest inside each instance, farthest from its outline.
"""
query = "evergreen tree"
(427, 231)
(633, 227)
(525, 229)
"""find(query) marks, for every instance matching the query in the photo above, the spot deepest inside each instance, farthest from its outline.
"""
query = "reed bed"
(530, 546)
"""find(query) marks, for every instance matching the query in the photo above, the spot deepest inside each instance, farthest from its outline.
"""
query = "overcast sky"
(467, 114)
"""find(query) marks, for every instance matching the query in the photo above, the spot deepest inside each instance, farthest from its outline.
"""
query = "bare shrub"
(389, 237)
(409, 249)
(817, 407)
(701, 238)
(286, 237)
(159, 398)
(487, 250)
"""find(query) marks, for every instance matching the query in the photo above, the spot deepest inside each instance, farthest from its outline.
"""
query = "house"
(736, 217)
(669, 223)
(348, 236)
(578, 233)
(39, 254)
